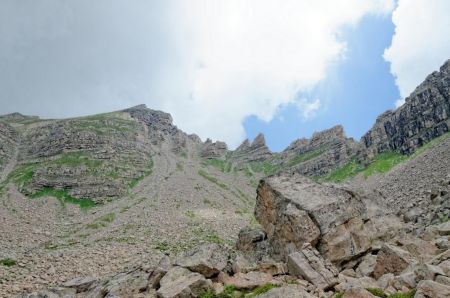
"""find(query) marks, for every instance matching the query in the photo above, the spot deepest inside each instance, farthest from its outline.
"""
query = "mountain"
(125, 204)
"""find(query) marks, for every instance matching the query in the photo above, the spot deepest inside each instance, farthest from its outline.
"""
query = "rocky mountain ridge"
(131, 136)
(172, 216)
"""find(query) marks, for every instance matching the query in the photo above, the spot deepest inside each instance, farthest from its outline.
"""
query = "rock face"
(213, 150)
(424, 116)
(325, 151)
(294, 210)
(309, 264)
(8, 142)
(256, 151)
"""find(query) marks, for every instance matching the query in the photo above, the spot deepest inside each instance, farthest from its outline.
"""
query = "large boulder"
(392, 259)
(207, 259)
(182, 283)
(294, 210)
(308, 264)
(431, 289)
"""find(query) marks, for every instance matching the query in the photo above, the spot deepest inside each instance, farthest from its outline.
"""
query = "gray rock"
(392, 259)
(182, 283)
(424, 116)
(207, 259)
(294, 210)
(292, 291)
(431, 289)
(309, 265)
(81, 284)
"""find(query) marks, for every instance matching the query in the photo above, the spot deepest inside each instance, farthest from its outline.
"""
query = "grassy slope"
(381, 163)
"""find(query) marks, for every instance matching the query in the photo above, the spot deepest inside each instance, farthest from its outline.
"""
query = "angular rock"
(358, 293)
(431, 289)
(291, 291)
(245, 281)
(444, 229)
(81, 284)
(294, 210)
(356, 283)
(207, 259)
(309, 265)
(212, 150)
(182, 283)
(392, 259)
(127, 284)
(367, 265)
(256, 151)
(249, 237)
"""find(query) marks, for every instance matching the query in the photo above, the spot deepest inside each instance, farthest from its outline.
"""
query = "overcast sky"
(223, 69)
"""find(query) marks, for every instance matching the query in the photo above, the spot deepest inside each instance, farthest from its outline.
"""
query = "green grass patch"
(266, 167)
(76, 159)
(383, 163)
(409, 294)
(180, 166)
(23, 175)
(212, 179)
(63, 197)
(102, 221)
(262, 289)
(306, 156)
(146, 173)
(8, 262)
(377, 292)
(338, 295)
(223, 165)
(350, 169)
(208, 235)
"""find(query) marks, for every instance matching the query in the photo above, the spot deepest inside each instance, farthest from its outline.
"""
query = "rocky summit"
(125, 204)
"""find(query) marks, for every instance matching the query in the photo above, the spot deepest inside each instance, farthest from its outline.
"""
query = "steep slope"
(424, 116)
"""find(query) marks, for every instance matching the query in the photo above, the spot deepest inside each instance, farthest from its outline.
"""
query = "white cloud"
(421, 43)
(308, 108)
(210, 63)
(251, 57)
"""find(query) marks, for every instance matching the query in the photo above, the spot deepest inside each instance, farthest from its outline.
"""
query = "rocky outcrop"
(8, 142)
(424, 116)
(256, 151)
(324, 152)
(294, 210)
(212, 150)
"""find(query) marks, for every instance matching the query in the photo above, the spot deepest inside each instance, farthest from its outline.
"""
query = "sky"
(226, 70)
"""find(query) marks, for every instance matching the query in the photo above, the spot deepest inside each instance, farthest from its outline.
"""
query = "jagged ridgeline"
(103, 156)
(93, 157)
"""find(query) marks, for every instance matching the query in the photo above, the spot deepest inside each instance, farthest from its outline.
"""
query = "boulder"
(81, 284)
(358, 293)
(249, 237)
(182, 283)
(367, 265)
(431, 289)
(291, 291)
(207, 259)
(392, 259)
(310, 265)
(443, 280)
(294, 210)
(444, 229)
(357, 283)
(128, 283)
(246, 281)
